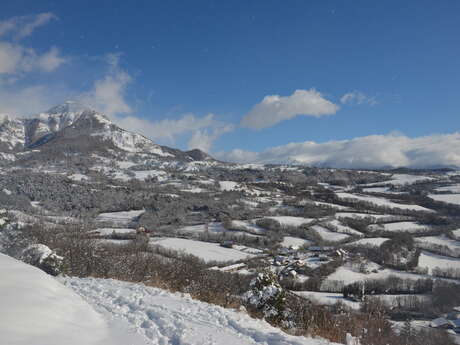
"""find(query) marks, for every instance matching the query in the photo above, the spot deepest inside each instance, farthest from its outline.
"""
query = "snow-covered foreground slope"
(35, 309)
(167, 318)
(40, 310)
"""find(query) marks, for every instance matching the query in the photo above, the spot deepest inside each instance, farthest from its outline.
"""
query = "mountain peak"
(69, 106)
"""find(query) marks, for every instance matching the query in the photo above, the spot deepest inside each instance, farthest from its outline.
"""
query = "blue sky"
(164, 66)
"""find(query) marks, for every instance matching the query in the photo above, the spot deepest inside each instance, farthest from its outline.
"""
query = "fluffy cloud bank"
(275, 108)
(375, 151)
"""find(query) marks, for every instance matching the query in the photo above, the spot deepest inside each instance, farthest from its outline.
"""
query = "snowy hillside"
(39, 310)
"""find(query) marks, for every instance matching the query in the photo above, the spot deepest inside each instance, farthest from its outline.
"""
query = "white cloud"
(108, 94)
(275, 108)
(12, 58)
(357, 97)
(18, 60)
(23, 26)
(51, 60)
(375, 151)
(203, 130)
(203, 139)
(25, 101)
(166, 129)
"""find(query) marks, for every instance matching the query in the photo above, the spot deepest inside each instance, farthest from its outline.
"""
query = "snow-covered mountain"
(72, 123)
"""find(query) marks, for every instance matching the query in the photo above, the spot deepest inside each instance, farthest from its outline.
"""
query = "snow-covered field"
(327, 298)
(455, 188)
(328, 235)
(294, 242)
(292, 221)
(447, 198)
(441, 241)
(379, 190)
(78, 177)
(382, 202)
(375, 241)
(204, 250)
(228, 185)
(356, 215)
(348, 276)
(123, 218)
(212, 227)
(339, 227)
(402, 179)
(327, 204)
(430, 261)
(248, 226)
(399, 227)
